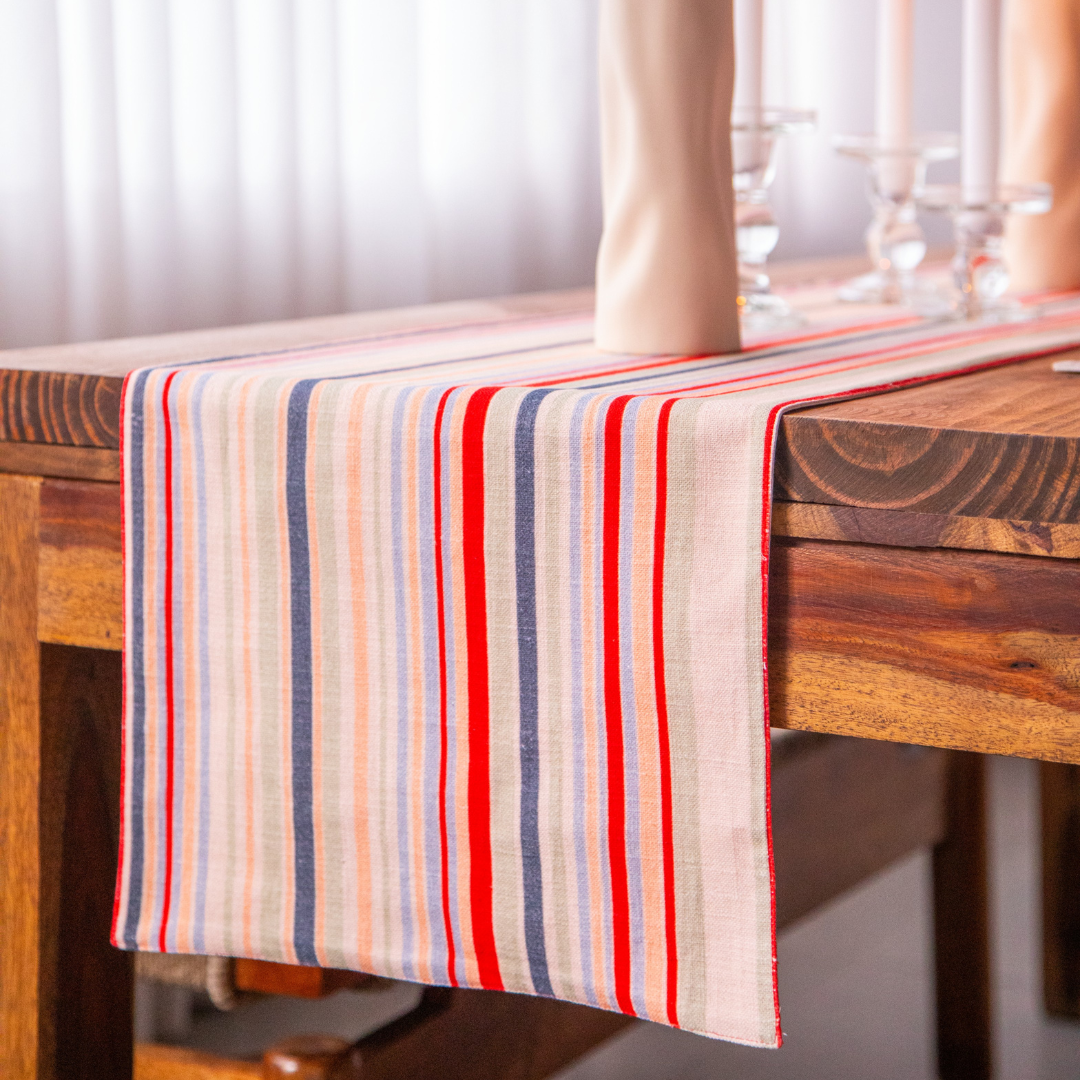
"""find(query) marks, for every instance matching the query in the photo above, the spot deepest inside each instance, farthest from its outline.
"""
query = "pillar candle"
(895, 57)
(749, 53)
(666, 273)
(980, 113)
(1041, 88)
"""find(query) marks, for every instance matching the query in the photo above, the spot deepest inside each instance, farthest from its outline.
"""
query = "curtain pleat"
(167, 164)
(178, 163)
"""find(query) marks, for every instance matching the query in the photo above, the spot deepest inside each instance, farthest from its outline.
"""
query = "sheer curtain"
(178, 163)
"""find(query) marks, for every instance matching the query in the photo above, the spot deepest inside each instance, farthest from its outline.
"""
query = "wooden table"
(923, 590)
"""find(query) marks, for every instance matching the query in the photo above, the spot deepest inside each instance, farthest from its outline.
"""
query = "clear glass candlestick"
(980, 274)
(754, 135)
(895, 241)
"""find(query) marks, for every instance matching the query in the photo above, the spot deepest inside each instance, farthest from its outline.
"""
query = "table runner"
(444, 653)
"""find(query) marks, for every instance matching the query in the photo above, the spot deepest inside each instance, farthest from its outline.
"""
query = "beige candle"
(666, 278)
(1042, 139)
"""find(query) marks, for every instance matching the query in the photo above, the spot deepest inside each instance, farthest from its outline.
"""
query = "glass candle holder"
(754, 135)
(979, 271)
(895, 241)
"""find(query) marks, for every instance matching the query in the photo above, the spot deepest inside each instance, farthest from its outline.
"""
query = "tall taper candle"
(981, 109)
(895, 57)
(749, 53)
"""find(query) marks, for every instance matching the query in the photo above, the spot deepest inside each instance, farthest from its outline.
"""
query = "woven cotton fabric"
(444, 654)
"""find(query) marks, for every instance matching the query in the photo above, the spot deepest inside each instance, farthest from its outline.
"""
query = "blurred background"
(170, 164)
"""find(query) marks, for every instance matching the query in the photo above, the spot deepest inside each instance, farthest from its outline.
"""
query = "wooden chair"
(1061, 888)
(843, 809)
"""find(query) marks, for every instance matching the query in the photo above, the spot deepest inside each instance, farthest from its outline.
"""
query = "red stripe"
(170, 711)
(666, 825)
(885, 355)
(440, 601)
(115, 935)
(766, 551)
(766, 523)
(479, 781)
(620, 898)
(661, 360)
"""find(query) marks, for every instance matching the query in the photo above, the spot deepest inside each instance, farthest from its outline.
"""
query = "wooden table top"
(1000, 445)
(898, 609)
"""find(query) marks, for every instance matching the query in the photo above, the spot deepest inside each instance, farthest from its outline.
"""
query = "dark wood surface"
(1003, 443)
(1061, 888)
(64, 409)
(962, 927)
(903, 528)
(90, 1005)
(960, 649)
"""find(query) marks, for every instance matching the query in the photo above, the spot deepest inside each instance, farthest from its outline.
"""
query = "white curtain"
(179, 163)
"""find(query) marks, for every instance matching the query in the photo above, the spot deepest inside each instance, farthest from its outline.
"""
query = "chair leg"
(961, 926)
(1061, 888)
(485, 1035)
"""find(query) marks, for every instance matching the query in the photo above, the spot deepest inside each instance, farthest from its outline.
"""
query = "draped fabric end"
(444, 655)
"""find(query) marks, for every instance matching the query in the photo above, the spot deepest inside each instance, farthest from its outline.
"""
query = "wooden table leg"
(485, 1035)
(961, 926)
(1061, 888)
(65, 994)
(22, 1044)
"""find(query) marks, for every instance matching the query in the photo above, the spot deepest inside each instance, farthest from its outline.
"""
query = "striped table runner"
(444, 653)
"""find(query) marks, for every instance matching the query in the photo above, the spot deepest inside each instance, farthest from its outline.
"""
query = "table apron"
(961, 649)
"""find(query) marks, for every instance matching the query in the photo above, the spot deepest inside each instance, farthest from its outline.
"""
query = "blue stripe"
(528, 686)
(133, 479)
(300, 596)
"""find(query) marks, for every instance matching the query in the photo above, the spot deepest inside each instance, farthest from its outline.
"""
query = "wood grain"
(153, 1062)
(965, 650)
(60, 408)
(25, 1051)
(962, 927)
(1003, 443)
(74, 462)
(959, 649)
(900, 528)
(1061, 888)
(80, 583)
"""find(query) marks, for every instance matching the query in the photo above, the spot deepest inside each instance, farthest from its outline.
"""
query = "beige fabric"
(666, 277)
(1042, 138)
